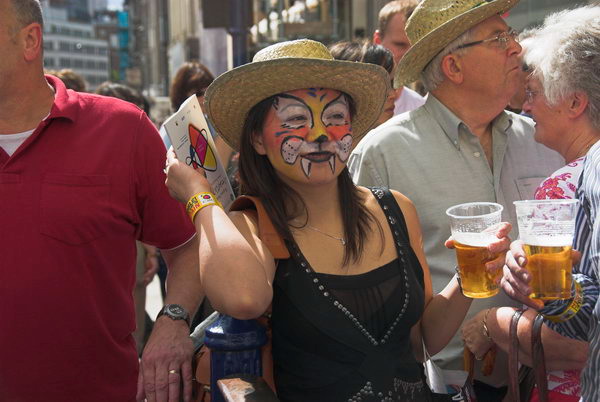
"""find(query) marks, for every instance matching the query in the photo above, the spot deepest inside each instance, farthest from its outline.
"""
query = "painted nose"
(318, 133)
(321, 139)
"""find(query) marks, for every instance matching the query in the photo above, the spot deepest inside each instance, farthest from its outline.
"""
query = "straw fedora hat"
(436, 23)
(287, 66)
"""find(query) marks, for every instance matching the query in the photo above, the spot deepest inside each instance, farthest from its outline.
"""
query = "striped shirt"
(585, 325)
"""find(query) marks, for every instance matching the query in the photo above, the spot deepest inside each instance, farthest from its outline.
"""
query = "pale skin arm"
(444, 312)
(561, 353)
(169, 346)
(222, 249)
(224, 243)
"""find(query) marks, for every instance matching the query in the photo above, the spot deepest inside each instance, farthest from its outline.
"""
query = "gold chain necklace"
(340, 239)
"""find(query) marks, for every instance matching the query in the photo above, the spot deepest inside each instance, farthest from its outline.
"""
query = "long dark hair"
(283, 204)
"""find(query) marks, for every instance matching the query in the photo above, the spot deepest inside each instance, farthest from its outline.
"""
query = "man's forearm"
(183, 281)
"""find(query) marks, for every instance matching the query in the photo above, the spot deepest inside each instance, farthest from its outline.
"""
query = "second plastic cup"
(547, 228)
(473, 227)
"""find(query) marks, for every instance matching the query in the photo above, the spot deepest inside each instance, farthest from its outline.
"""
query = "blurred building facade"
(530, 13)
(199, 33)
(333, 20)
(73, 44)
(323, 20)
(185, 33)
(201, 29)
(113, 26)
(97, 5)
(148, 43)
(77, 10)
(223, 34)
(144, 44)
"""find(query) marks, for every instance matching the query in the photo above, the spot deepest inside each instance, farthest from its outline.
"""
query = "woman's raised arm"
(236, 268)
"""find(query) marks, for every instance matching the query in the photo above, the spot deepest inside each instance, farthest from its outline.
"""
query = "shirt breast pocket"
(75, 209)
(527, 186)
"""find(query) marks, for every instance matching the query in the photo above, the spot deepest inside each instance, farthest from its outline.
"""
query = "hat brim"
(231, 96)
(422, 52)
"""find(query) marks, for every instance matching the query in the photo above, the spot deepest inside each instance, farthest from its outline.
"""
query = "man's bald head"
(26, 12)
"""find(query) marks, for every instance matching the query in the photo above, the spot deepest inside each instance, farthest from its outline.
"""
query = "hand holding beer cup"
(546, 229)
(481, 241)
(516, 279)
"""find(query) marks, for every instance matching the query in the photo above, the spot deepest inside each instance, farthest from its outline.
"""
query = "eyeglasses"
(501, 40)
(530, 95)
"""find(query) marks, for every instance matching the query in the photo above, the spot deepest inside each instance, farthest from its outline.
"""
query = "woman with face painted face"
(350, 290)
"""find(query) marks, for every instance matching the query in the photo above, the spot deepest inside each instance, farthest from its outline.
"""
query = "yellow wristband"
(572, 309)
(199, 201)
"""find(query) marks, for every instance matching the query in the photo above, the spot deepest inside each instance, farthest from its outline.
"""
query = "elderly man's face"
(490, 68)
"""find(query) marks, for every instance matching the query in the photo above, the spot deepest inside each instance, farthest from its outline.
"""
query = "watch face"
(176, 310)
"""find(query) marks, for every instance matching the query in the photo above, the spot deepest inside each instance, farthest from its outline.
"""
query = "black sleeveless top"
(347, 338)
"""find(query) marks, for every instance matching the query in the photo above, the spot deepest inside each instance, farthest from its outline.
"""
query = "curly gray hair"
(565, 56)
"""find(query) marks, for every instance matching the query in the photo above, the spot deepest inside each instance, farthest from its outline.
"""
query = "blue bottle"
(235, 347)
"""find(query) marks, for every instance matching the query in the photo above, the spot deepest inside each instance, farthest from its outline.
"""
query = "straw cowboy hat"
(436, 23)
(287, 66)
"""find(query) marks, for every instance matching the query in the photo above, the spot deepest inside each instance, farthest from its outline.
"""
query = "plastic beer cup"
(473, 226)
(546, 228)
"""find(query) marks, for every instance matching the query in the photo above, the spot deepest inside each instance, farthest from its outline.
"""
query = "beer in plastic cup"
(546, 228)
(473, 226)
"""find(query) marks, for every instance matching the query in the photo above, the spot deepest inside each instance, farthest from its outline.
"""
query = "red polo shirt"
(73, 200)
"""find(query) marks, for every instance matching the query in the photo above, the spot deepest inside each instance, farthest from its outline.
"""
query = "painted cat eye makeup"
(307, 127)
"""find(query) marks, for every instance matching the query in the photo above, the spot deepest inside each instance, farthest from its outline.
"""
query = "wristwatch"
(174, 312)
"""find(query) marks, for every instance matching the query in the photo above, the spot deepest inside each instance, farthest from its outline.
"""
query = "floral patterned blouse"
(562, 184)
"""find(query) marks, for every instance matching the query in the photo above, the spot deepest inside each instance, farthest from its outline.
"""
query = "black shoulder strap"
(386, 200)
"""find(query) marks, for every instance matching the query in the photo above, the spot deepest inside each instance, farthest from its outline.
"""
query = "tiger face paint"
(309, 130)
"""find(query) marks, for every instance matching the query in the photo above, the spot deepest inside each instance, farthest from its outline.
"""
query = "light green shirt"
(433, 158)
